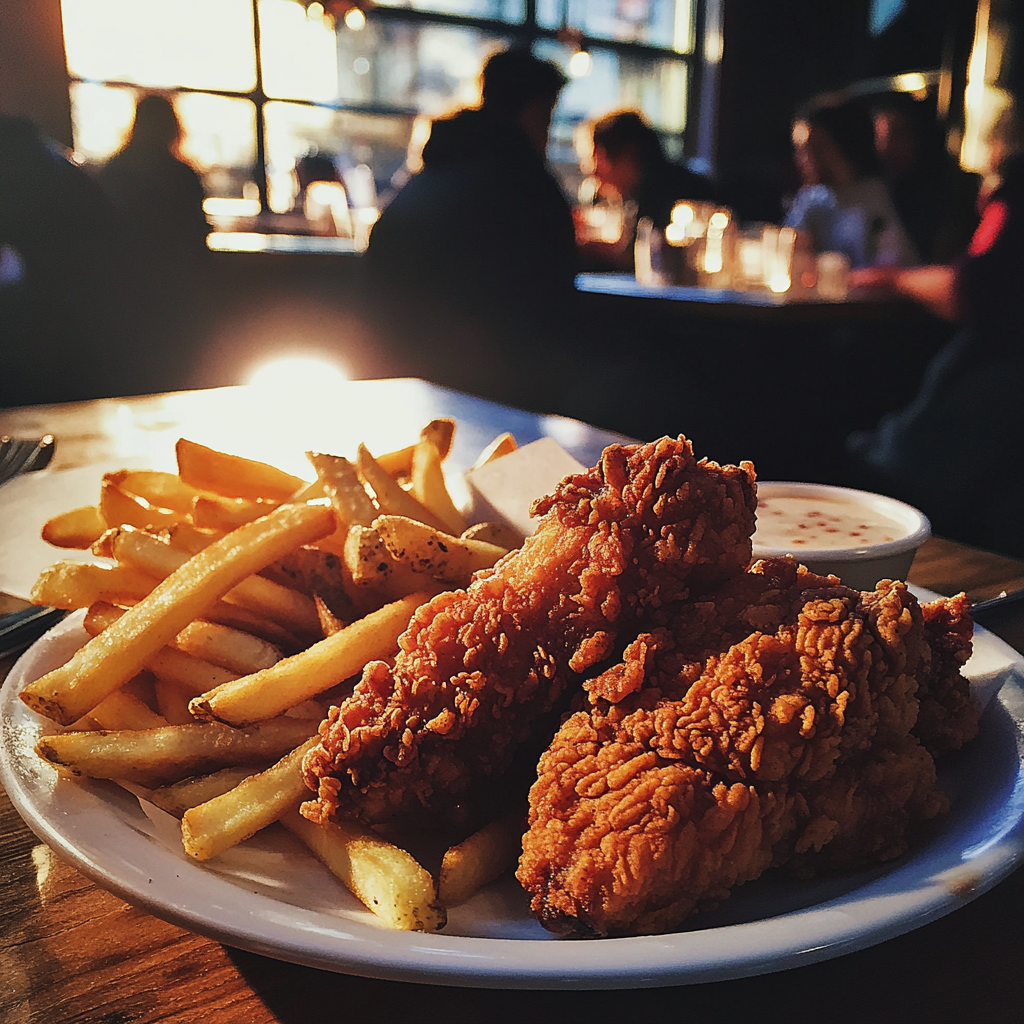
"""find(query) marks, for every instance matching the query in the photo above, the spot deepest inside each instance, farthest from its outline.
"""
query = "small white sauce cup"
(858, 567)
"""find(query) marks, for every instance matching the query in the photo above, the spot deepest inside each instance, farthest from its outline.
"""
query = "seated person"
(935, 198)
(957, 449)
(629, 161)
(843, 204)
(473, 261)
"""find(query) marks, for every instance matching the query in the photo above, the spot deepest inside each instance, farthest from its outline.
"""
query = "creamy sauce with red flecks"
(792, 522)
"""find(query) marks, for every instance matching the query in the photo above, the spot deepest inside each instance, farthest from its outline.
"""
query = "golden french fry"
(189, 673)
(152, 555)
(229, 648)
(271, 691)
(440, 431)
(391, 498)
(500, 534)
(232, 476)
(342, 485)
(172, 700)
(178, 797)
(429, 487)
(503, 444)
(123, 710)
(164, 490)
(433, 553)
(224, 514)
(151, 757)
(329, 622)
(483, 857)
(236, 617)
(80, 584)
(370, 564)
(77, 528)
(109, 660)
(386, 879)
(257, 801)
(185, 536)
(118, 508)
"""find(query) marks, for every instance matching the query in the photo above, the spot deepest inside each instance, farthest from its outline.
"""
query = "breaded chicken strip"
(693, 771)
(649, 526)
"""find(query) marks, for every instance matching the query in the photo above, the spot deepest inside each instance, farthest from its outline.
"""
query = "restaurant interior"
(788, 230)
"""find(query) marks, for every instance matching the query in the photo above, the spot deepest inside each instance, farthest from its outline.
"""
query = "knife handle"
(20, 629)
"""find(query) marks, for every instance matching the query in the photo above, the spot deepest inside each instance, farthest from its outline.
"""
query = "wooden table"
(71, 952)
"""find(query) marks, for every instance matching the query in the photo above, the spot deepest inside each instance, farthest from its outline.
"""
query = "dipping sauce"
(813, 522)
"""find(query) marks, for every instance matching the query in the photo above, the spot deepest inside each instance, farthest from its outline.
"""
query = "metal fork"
(19, 456)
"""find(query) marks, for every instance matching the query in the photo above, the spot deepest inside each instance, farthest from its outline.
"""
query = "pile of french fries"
(235, 602)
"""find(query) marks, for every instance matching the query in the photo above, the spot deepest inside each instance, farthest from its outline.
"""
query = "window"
(259, 85)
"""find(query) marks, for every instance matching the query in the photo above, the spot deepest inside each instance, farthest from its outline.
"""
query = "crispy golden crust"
(648, 527)
(685, 777)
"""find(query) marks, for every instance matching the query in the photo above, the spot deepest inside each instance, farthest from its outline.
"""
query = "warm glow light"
(912, 82)
(222, 207)
(675, 233)
(355, 19)
(315, 11)
(682, 213)
(580, 64)
(302, 375)
(719, 220)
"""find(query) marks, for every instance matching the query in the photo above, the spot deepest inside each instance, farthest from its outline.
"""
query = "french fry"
(123, 710)
(77, 528)
(178, 797)
(429, 487)
(236, 617)
(119, 508)
(385, 878)
(150, 757)
(370, 564)
(503, 444)
(440, 431)
(483, 857)
(154, 556)
(434, 553)
(232, 476)
(329, 622)
(501, 534)
(80, 584)
(164, 490)
(229, 648)
(257, 801)
(225, 514)
(342, 485)
(189, 673)
(268, 693)
(172, 700)
(391, 497)
(107, 661)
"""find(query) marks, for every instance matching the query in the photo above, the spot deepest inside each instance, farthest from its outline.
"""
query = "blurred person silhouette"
(471, 265)
(159, 199)
(935, 198)
(843, 204)
(62, 332)
(629, 161)
(957, 450)
(158, 195)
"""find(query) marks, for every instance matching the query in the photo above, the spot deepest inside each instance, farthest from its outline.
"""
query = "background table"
(71, 952)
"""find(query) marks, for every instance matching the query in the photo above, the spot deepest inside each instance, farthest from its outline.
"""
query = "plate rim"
(824, 930)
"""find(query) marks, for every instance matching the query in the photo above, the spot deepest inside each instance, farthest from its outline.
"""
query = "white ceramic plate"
(268, 896)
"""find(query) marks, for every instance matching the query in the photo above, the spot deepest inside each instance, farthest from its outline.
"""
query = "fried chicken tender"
(648, 527)
(772, 723)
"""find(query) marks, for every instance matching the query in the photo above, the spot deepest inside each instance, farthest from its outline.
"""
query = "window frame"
(524, 33)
